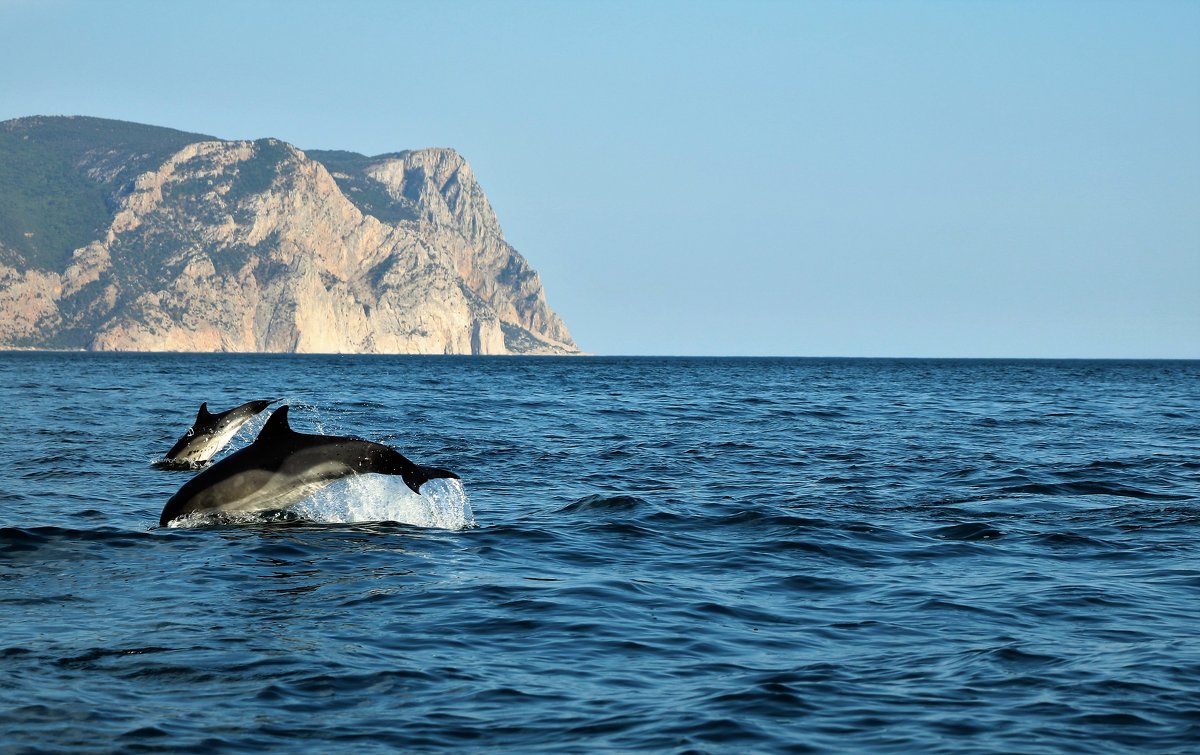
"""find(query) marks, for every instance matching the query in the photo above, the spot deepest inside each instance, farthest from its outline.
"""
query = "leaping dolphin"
(209, 434)
(282, 466)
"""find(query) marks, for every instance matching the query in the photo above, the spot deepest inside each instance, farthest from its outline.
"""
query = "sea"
(675, 555)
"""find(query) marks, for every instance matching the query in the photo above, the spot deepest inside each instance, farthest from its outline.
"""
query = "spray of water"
(379, 498)
(443, 504)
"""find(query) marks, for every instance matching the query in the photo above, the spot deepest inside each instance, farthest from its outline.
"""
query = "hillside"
(120, 236)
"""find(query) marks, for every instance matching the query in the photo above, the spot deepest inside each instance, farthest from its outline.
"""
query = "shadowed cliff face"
(256, 246)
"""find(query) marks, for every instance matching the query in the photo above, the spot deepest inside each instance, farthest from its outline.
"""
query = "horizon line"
(589, 355)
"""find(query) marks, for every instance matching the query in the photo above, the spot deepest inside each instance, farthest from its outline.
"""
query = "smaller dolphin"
(282, 466)
(209, 434)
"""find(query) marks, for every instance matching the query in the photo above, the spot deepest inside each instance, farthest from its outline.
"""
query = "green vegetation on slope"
(256, 175)
(57, 175)
(349, 169)
(47, 207)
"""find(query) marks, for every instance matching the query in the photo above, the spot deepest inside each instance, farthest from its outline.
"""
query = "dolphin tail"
(416, 475)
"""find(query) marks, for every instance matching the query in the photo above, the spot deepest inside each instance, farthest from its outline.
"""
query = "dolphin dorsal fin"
(203, 414)
(277, 425)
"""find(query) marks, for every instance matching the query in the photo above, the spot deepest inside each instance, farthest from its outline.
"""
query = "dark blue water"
(645, 555)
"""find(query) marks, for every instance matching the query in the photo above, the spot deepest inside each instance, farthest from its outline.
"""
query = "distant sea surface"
(644, 555)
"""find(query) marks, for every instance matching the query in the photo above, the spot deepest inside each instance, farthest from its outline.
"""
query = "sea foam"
(443, 503)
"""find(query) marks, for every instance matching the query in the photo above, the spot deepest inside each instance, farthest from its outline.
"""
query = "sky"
(853, 178)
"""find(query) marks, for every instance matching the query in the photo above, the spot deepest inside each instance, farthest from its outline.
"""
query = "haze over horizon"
(715, 178)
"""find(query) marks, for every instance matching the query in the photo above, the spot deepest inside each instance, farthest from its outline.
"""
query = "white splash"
(443, 503)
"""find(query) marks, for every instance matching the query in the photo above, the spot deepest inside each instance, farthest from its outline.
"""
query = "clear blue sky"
(779, 178)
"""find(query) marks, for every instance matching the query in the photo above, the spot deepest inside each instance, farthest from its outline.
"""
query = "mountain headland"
(118, 236)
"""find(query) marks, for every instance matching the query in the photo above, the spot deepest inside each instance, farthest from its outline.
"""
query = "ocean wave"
(1090, 487)
(850, 560)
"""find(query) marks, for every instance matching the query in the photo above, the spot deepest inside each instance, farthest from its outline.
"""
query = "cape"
(118, 236)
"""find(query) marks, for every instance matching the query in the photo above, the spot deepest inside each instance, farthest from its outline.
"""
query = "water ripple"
(643, 555)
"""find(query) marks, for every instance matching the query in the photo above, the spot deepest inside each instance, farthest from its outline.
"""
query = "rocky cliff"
(118, 236)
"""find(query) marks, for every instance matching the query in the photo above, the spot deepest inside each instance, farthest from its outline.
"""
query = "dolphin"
(209, 434)
(282, 466)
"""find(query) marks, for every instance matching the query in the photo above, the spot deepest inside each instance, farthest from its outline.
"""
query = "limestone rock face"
(456, 215)
(257, 246)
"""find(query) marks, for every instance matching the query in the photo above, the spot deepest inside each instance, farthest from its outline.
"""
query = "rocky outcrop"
(457, 218)
(257, 246)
